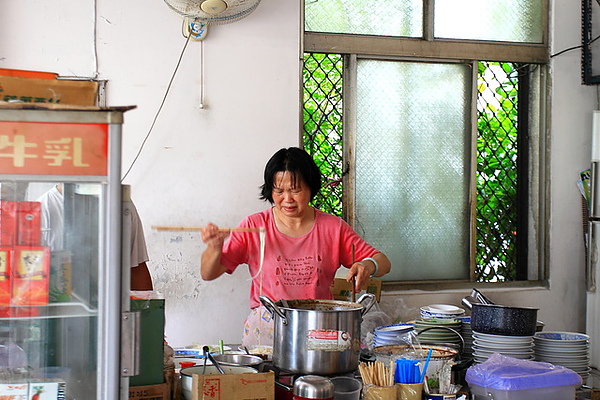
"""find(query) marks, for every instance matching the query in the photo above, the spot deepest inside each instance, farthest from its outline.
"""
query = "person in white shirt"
(52, 235)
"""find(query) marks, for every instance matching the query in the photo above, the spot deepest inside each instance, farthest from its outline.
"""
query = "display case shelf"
(57, 310)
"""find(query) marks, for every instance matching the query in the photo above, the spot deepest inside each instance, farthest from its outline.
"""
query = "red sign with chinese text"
(43, 148)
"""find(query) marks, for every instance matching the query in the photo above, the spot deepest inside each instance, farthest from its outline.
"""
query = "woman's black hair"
(298, 163)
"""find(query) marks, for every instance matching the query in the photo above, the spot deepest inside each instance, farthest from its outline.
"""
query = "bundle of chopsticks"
(376, 373)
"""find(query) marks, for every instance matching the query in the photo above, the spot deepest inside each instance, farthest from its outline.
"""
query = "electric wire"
(96, 68)
(159, 108)
(574, 47)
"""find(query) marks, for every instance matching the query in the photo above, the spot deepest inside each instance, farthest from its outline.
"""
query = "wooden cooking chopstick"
(199, 228)
(353, 295)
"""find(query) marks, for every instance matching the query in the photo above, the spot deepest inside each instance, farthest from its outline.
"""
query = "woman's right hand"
(212, 236)
(210, 262)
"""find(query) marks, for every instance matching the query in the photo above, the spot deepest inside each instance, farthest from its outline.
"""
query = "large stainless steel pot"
(320, 337)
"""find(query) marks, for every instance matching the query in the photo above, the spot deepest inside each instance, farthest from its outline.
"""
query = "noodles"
(262, 233)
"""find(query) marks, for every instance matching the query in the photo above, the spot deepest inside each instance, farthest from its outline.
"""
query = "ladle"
(212, 359)
(205, 351)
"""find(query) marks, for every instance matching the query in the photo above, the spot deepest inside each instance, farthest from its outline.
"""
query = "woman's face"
(289, 198)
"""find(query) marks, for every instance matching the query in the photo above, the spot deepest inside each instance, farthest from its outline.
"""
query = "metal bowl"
(246, 360)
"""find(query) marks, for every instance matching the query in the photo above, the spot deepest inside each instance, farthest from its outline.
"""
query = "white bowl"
(443, 309)
(563, 337)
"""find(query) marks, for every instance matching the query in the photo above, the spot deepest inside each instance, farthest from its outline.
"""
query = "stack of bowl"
(387, 335)
(440, 324)
(569, 349)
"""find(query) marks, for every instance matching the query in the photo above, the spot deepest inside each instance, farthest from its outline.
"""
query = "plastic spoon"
(426, 364)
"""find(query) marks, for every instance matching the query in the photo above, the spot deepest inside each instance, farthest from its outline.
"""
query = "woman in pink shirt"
(303, 249)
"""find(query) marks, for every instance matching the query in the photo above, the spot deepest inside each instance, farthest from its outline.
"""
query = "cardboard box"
(39, 389)
(150, 392)
(8, 223)
(5, 281)
(342, 290)
(47, 389)
(14, 391)
(28, 74)
(30, 275)
(260, 386)
(61, 91)
(29, 223)
(61, 279)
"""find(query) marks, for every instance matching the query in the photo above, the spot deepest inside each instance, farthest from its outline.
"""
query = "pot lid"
(313, 387)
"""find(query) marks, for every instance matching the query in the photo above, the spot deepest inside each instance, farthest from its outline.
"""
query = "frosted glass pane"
(412, 149)
(387, 18)
(506, 20)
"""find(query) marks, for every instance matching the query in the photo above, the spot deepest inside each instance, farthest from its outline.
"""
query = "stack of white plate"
(569, 349)
(392, 334)
(485, 344)
(467, 335)
(441, 311)
(438, 331)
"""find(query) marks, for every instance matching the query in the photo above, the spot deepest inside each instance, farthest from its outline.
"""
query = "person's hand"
(212, 236)
(362, 273)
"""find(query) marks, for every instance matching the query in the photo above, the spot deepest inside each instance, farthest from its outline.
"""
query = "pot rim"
(344, 305)
(187, 370)
(503, 306)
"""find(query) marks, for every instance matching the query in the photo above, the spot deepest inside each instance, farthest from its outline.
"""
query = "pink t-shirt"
(294, 268)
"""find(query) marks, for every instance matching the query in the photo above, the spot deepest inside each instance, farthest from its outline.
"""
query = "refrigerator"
(62, 291)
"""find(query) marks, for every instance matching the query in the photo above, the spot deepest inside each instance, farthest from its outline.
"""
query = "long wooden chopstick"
(199, 228)
(353, 292)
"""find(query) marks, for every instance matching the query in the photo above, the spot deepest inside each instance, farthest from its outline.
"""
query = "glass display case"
(61, 284)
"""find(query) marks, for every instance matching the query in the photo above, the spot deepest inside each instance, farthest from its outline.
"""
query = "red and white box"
(30, 275)
(5, 279)
(29, 223)
(8, 223)
(14, 391)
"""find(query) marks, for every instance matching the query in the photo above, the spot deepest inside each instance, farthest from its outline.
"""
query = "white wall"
(202, 165)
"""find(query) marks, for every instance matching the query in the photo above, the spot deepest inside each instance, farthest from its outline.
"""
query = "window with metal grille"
(500, 153)
(427, 120)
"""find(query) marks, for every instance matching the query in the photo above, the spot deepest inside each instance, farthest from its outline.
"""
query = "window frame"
(465, 51)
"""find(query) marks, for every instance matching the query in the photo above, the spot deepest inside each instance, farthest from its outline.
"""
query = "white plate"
(393, 329)
(483, 357)
(560, 353)
(579, 366)
(479, 350)
(502, 345)
(443, 309)
(195, 350)
(558, 346)
(502, 338)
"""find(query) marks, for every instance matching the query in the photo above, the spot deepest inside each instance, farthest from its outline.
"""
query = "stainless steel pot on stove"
(320, 337)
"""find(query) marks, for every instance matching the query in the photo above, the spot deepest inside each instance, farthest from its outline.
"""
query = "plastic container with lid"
(506, 378)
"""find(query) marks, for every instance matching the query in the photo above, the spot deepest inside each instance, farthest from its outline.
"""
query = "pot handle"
(272, 307)
(367, 297)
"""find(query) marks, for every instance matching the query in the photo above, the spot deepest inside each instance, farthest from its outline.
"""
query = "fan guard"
(213, 11)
